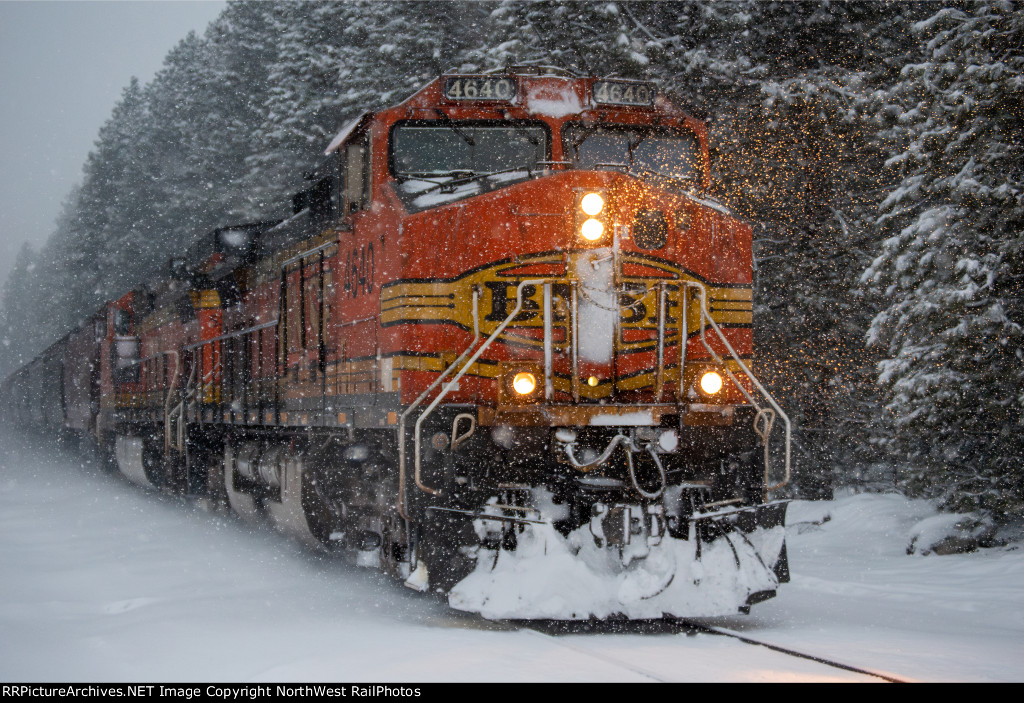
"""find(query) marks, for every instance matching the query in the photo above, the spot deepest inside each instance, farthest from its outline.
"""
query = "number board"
(624, 93)
(480, 88)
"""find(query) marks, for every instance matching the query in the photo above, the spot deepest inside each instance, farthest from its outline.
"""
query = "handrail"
(207, 383)
(463, 368)
(179, 410)
(422, 397)
(167, 400)
(448, 386)
(549, 386)
(761, 412)
(574, 304)
(659, 383)
(309, 252)
(231, 335)
(684, 339)
(763, 420)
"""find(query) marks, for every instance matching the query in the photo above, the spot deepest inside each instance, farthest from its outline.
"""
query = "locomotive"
(502, 349)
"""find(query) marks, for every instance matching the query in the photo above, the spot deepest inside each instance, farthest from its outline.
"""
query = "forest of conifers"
(877, 146)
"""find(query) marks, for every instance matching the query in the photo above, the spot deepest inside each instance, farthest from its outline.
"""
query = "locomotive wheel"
(153, 465)
(243, 505)
(175, 473)
(394, 550)
(321, 514)
(216, 490)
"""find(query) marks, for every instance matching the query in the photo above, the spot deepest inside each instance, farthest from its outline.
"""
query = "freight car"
(502, 348)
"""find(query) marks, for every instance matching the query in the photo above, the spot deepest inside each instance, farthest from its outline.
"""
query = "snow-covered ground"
(103, 581)
(857, 596)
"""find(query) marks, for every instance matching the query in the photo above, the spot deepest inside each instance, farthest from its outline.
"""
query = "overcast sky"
(63, 65)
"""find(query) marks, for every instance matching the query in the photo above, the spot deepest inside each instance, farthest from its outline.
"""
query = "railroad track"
(885, 676)
(557, 629)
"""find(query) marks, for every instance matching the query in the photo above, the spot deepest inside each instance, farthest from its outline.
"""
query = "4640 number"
(479, 89)
(624, 93)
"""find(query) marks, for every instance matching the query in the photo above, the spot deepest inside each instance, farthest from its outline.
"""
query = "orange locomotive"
(502, 348)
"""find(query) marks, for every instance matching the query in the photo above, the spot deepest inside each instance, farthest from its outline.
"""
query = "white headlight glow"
(523, 383)
(711, 382)
(592, 203)
(592, 230)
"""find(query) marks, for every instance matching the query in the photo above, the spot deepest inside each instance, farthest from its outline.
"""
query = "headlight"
(592, 230)
(524, 383)
(711, 382)
(591, 219)
(592, 203)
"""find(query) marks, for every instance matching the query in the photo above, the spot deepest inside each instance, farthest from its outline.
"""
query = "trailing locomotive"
(501, 349)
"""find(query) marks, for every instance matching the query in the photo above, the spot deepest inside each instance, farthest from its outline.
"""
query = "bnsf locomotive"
(502, 349)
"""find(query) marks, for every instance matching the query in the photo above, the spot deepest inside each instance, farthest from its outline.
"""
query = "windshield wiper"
(633, 145)
(433, 176)
(450, 123)
(426, 175)
(449, 186)
(587, 132)
(532, 138)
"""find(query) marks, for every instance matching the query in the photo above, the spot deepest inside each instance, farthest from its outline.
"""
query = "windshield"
(448, 147)
(664, 151)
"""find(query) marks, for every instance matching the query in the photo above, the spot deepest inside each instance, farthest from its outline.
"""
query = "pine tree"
(802, 160)
(165, 169)
(952, 262)
(205, 104)
(18, 324)
(103, 246)
(242, 48)
(589, 38)
(186, 134)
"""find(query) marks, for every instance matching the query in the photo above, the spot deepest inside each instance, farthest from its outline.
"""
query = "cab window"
(644, 150)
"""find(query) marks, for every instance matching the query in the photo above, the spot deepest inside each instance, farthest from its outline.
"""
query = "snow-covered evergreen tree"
(786, 87)
(18, 322)
(206, 104)
(798, 156)
(590, 38)
(242, 48)
(185, 132)
(103, 245)
(952, 261)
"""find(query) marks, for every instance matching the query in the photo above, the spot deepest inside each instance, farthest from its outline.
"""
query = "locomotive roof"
(537, 91)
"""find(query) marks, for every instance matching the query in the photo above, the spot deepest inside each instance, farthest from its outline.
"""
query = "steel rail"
(550, 628)
(711, 629)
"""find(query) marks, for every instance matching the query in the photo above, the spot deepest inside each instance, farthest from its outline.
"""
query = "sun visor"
(346, 131)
